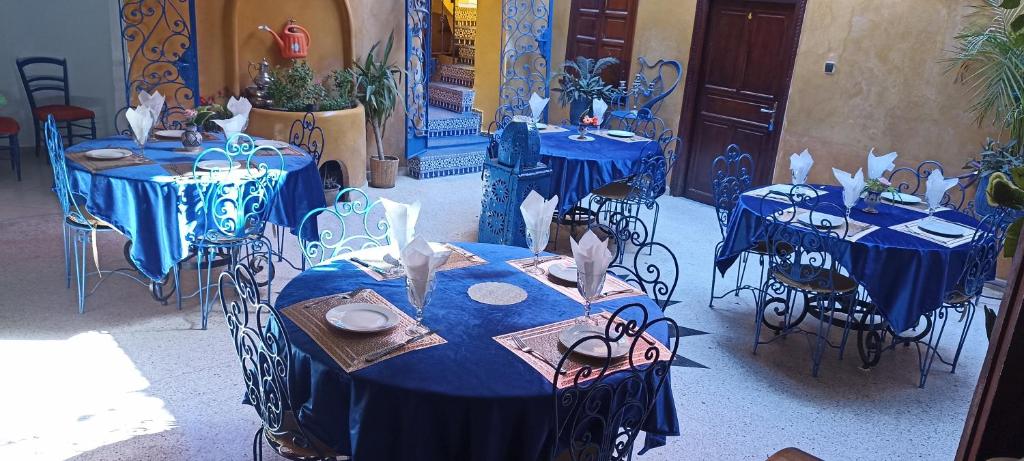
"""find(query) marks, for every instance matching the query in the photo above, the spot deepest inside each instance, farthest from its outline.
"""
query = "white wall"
(86, 32)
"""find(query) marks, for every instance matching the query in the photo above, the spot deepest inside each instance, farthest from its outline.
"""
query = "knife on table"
(373, 357)
(369, 266)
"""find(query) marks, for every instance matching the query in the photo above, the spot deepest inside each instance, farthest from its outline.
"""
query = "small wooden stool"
(9, 129)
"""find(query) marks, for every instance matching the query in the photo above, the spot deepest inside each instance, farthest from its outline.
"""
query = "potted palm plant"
(376, 84)
(581, 83)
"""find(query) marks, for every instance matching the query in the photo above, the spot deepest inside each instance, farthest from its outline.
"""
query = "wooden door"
(744, 67)
(599, 28)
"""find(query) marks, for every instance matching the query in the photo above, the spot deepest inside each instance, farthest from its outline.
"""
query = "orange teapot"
(293, 41)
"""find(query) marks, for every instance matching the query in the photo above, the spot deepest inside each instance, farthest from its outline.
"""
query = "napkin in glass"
(936, 187)
(421, 262)
(877, 166)
(592, 259)
(140, 119)
(233, 125)
(853, 185)
(800, 164)
(537, 105)
(537, 214)
(239, 106)
(401, 223)
(154, 102)
(600, 107)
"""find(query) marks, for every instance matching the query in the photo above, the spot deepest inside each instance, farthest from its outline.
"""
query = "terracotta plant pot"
(383, 172)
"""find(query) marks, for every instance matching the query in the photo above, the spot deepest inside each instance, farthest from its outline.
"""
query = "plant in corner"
(376, 84)
(580, 83)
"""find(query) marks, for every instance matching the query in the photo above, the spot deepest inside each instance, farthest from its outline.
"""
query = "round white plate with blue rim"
(108, 154)
(941, 228)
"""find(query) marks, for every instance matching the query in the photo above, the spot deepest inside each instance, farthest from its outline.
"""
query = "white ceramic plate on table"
(899, 197)
(821, 221)
(169, 134)
(216, 165)
(108, 154)
(272, 143)
(595, 348)
(564, 271)
(362, 317)
(941, 228)
(621, 133)
(542, 126)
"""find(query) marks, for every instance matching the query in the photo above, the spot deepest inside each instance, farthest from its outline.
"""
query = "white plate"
(621, 133)
(564, 271)
(594, 347)
(215, 165)
(169, 134)
(941, 228)
(821, 221)
(899, 197)
(272, 143)
(108, 154)
(362, 317)
(542, 126)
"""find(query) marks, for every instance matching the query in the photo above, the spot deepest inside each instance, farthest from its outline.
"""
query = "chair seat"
(617, 190)
(62, 113)
(283, 442)
(957, 297)
(87, 221)
(816, 280)
(8, 126)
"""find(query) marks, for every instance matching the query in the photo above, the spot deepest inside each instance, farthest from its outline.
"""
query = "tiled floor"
(131, 379)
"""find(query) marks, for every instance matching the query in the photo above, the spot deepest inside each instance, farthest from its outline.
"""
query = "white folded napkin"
(936, 187)
(537, 214)
(154, 102)
(853, 185)
(140, 119)
(877, 166)
(421, 262)
(537, 105)
(600, 107)
(800, 164)
(592, 259)
(233, 125)
(401, 223)
(240, 106)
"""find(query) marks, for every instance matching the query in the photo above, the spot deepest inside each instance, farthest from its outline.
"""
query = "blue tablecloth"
(142, 201)
(469, 399)
(579, 167)
(905, 276)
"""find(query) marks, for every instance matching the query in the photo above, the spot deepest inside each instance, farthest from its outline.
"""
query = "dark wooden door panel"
(743, 72)
(599, 28)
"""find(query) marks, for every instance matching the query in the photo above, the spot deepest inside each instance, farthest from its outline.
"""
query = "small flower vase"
(871, 201)
(583, 132)
(191, 138)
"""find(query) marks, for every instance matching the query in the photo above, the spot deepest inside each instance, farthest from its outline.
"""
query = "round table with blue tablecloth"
(906, 275)
(142, 201)
(468, 398)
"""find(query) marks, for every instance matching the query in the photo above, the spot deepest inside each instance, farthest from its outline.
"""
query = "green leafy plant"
(998, 157)
(878, 185)
(296, 89)
(1007, 190)
(203, 116)
(376, 83)
(581, 80)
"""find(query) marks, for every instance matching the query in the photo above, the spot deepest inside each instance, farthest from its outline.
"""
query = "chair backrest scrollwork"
(335, 239)
(804, 237)
(653, 266)
(305, 134)
(986, 247)
(731, 176)
(61, 180)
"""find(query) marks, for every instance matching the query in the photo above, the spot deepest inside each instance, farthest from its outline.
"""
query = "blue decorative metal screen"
(417, 64)
(526, 51)
(159, 46)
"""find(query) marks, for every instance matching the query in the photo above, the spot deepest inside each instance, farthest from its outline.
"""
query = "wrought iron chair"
(731, 176)
(912, 181)
(228, 209)
(650, 89)
(304, 134)
(264, 351)
(121, 126)
(36, 82)
(980, 266)
(803, 259)
(358, 211)
(658, 277)
(600, 412)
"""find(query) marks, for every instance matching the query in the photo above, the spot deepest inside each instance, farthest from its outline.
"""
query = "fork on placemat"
(521, 345)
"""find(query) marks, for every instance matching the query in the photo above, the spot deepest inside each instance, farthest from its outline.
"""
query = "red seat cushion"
(8, 126)
(62, 113)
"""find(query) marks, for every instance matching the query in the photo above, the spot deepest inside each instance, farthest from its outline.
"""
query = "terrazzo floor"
(132, 379)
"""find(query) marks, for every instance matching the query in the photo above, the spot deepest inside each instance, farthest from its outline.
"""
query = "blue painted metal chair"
(912, 181)
(42, 75)
(731, 176)
(228, 205)
(803, 259)
(656, 274)
(985, 248)
(651, 86)
(304, 134)
(264, 352)
(599, 412)
(334, 222)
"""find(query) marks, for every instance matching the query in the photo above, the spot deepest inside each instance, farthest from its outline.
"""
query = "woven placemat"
(459, 259)
(497, 293)
(634, 138)
(96, 165)
(553, 129)
(543, 340)
(287, 151)
(614, 287)
(948, 242)
(856, 229)
(178, 169)
(349, 349)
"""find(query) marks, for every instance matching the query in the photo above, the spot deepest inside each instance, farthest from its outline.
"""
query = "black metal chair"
(264, 351)
(731, 176)
(600, 412)
(121, 126)
(657, 274)
(37, 76)
(651, 87)
(306, 135)
(803, 243)
(912, 181)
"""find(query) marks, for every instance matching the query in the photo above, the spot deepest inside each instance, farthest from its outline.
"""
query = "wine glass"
(141, 144)
(419, 292)
(589, 292)
(532, 242)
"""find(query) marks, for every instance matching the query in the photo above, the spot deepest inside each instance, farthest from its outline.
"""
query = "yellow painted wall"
(488, 44)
